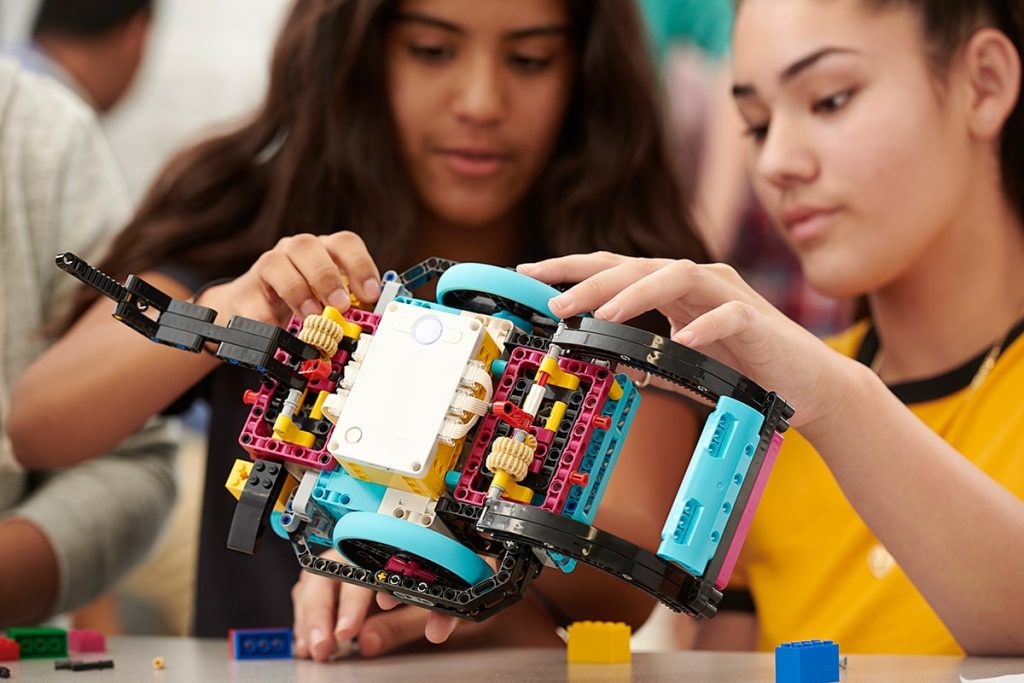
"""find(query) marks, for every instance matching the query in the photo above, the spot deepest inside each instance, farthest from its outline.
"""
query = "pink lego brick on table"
(86, 640)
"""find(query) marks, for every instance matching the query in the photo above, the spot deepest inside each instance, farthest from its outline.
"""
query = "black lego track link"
(517, 567)
(670, 584)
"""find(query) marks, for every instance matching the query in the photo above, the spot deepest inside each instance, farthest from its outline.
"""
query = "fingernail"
(449, 630)
(686, 338)
(371, 289)
(370, 644)
(344, 626)
(309, 307)
(562, 302)
(524, 267)
(317, 636)
(610, 311)
(339, 299)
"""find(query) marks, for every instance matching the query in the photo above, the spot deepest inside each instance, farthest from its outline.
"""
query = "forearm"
(28, 586)
(947, 523)
(102, 517)
(94, 387)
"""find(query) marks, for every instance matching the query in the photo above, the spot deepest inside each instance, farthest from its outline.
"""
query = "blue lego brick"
(807, 661)
(702, 506)
(261, 643)
(427, 304)
(339, 493)
(605, 447)
(599, 461)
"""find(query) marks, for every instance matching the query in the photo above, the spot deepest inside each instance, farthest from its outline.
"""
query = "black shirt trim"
(939, 386)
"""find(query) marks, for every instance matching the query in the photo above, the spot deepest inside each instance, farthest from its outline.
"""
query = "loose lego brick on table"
(598, 642)
(261, 643)
(86, 640)
(40, 643)
(807, 661)
(9, 650)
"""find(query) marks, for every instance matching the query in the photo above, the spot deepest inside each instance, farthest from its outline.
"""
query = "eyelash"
(833, 103)
(436, 54)
(825, 106)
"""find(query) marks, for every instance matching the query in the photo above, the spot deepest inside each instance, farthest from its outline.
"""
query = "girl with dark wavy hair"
(887, 141)
(493, 131)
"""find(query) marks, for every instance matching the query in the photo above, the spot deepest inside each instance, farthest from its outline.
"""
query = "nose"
(480, 98)
(786, 157)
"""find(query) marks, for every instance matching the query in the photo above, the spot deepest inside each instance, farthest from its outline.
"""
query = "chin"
(836, 281)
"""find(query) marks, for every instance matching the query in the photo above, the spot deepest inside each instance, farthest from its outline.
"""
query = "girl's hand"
(330, 614)
(300, 275)
(711, 309)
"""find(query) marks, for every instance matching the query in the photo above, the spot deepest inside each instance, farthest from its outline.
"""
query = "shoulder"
(35, 109)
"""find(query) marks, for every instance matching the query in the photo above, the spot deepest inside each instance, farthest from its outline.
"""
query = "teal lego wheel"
(368, 540)
(499, 292)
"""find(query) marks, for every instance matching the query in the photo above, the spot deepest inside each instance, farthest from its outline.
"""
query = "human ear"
(994, 76)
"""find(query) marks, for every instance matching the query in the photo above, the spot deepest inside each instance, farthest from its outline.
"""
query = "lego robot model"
(449, 450)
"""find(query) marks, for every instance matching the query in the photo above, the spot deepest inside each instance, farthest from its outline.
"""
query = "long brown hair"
(318, 156)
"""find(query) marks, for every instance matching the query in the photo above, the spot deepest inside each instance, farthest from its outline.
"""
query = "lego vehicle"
(449, 450)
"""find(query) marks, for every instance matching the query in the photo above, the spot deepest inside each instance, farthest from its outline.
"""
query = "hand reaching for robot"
(330, 615)
(300, 275)
(711, 309)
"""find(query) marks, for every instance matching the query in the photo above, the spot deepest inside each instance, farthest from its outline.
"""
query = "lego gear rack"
(512, 469)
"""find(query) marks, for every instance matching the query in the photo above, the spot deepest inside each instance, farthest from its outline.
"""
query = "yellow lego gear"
(322, 333)
(514, 457)
(599, 642)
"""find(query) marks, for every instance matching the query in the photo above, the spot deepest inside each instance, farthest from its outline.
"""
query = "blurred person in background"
(94, 48)
(65, 535)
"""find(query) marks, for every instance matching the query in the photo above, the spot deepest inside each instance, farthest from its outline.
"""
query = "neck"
(499, 243)
(79, 61)
(960, 300)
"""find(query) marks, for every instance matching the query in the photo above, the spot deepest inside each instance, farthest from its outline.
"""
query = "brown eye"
(431, 53)
(527, 63)
(833, 103)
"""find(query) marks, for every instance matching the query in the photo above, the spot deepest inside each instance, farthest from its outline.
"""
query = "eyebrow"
(543, 30)
(795, 69)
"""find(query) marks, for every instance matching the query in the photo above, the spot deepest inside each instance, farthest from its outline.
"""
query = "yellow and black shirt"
(814, 569)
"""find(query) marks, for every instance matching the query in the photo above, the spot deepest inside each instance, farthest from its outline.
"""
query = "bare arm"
(96, 386)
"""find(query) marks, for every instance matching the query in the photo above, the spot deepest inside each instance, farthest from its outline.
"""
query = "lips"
(806, 222)
(473, 162)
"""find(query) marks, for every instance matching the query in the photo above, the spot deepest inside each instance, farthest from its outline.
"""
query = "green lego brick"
(40, 643)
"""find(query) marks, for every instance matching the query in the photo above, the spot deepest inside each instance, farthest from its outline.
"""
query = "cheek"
(540, 116)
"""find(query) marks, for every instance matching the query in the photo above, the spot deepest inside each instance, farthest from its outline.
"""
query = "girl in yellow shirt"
(887, 141)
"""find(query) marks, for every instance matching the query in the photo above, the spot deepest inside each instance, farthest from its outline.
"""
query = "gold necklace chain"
(980, 375)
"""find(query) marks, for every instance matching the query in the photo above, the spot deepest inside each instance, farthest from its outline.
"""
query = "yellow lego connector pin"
(599, 642)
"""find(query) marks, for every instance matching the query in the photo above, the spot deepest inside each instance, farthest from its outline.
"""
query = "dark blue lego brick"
(807, 661)
(261, 643)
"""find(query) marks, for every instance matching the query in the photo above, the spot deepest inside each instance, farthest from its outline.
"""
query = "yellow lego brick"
(290, 484)
(317, 411)
(558, 376)
(615, 391)
(350, 329)
(287, 431)
(239, 474)
(598, 642)
(555, 419)
(511, 488)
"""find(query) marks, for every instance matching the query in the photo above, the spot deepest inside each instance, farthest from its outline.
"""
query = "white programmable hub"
(398, 403)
